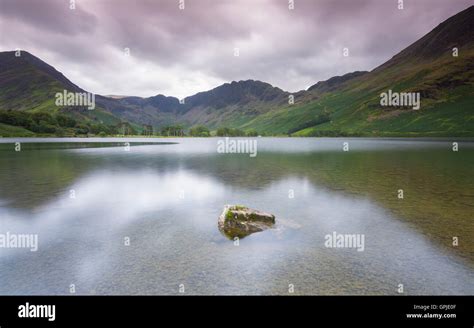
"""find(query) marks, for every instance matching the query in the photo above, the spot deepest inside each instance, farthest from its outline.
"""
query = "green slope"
(29, 85)
(14, 131)
(447, 98)
(445, 83)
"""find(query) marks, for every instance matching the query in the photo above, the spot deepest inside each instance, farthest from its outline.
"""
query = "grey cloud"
(50, 15)
(179, 52)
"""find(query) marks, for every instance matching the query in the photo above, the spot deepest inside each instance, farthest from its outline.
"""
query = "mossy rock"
(240, 221)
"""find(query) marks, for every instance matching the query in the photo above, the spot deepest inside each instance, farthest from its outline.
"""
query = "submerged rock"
(240, 221)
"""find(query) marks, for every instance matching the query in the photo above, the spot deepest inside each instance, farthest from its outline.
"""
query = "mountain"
(230, 102)
(445, 83)
(342, 105)
(233, 103)
(335, 82)
(29, 84)
(240, 93)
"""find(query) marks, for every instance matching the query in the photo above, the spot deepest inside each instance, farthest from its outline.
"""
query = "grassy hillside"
(445, 84)
(447, 98)
(27, 100)
(14, 131)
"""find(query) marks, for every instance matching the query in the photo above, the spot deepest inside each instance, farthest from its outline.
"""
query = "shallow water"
(166, 199)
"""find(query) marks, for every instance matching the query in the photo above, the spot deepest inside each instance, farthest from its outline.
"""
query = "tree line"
(64, 125)
(56, 124)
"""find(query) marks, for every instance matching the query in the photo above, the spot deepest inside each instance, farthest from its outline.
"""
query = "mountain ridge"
(342, 105)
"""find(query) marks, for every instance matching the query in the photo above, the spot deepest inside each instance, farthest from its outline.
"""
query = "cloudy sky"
(180, 52)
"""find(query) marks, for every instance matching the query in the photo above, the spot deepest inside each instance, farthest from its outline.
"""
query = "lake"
(113, 219)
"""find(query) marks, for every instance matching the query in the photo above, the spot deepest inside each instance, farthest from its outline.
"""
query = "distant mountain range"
(342, 105)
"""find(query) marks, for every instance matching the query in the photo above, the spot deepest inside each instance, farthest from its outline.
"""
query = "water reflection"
(167, 203)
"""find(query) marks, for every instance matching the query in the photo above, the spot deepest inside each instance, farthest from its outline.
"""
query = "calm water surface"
(166, 199)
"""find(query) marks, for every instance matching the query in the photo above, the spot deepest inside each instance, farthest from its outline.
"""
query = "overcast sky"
(180, 52)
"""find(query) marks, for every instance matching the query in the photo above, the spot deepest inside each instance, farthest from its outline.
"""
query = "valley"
(439, 67)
